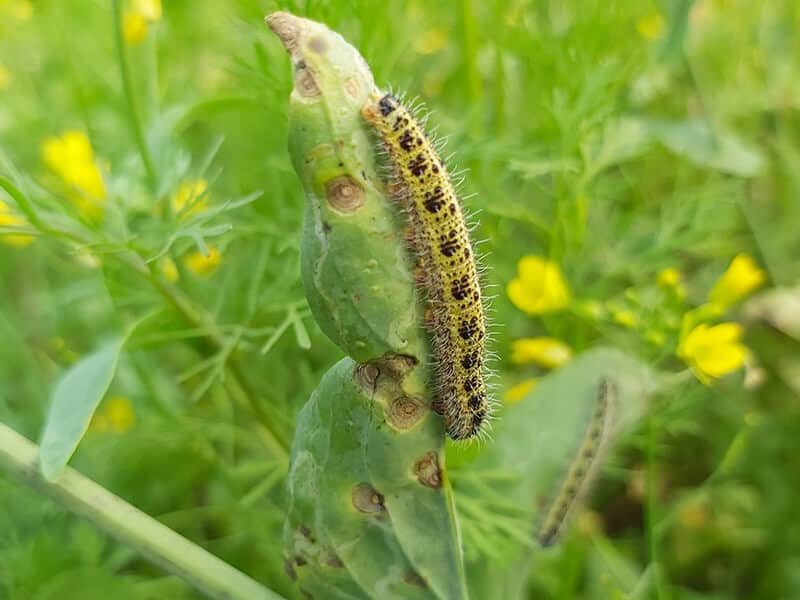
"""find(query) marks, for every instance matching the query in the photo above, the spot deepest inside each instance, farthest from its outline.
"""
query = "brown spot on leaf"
(305, 83)
(306, 533)
(344, 194)
(367, 499)
(367, 376)
(353, 89)
(405, 412)
(333, 561)
(414, 578)
(427, 470)
(318, 45)
(289, 568)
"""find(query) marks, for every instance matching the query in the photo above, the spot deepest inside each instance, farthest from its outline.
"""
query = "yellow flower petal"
(539, 287)
(200, 264)
(149, 9)
(724, 359)
(134, 28)
(545, 351)
(712, 352)
(650, 26)
(70, 156)
(169, 269)
(189, 194)
(9, 219)
(669, 277)
(120, 415)
(626, 318)
(517, 392)
(742, 277)
(22, 10)
(5, 77)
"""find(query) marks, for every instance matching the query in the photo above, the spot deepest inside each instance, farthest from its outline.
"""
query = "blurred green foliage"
(614, 139)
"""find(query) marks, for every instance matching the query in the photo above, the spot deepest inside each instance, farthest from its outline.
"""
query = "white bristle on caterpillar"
(449, 276)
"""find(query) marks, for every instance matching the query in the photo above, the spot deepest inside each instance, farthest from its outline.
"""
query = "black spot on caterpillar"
(423, 187)
(581, 471)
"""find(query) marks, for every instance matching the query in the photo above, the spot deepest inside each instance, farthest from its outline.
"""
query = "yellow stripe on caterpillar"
(583, 468)
(448, 274)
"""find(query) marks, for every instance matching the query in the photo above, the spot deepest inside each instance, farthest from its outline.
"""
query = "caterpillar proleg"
(583, 468)
(447, 270)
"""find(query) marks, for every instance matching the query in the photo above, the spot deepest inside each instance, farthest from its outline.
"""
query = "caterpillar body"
(584, 466)
(447, 270)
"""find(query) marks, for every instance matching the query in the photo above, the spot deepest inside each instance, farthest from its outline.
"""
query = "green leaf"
(536, 440)
(89, 584)
(22, 201)
(359, 521)
(696, 141)
(300, 331)
(74, 400)
(675, 39)
(621, 140)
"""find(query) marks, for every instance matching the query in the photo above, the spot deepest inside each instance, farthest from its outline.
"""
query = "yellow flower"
(5, 77)
(116, 414)
(742, 277)
(626, 318)
(21, 10)
(134, 28)
(119, 411)
(10, 219)
(545, 351)
(189, 195)
(669, 277)
(517, 392)
(539, 287)
(712, 352)
(149, 9)
(137, 17)
(650, 26)
(169, 269)
(201, 264)
(70, 156)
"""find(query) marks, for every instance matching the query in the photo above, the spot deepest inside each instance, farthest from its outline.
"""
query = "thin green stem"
(82, 496)
(471, 51)
(127, 85)
(651, 510)
(195, 318)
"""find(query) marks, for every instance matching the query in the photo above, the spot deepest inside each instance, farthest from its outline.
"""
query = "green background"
(610, 151)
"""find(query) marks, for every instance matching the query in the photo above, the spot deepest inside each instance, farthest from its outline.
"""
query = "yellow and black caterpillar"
(448, 273)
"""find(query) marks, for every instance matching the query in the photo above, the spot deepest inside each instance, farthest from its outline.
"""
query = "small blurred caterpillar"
(448, 273)
(583, 468)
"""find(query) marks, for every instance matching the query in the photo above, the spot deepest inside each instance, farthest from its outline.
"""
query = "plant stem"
(200, 569)
(651, 508)
(127, 85)
(196, 318)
